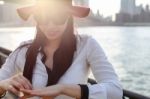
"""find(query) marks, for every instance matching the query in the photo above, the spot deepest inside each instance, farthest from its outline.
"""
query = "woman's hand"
(15, 83)
(72, 90)
(47, 92)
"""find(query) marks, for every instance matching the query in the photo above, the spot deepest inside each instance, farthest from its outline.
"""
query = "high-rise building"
(8, 12)
(147, 8)
(82, 2)
(128, 6)
(139, 9)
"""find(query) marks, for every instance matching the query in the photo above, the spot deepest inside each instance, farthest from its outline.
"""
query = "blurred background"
(122, 27)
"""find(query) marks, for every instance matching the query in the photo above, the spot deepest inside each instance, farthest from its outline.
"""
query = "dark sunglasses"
(59, 19)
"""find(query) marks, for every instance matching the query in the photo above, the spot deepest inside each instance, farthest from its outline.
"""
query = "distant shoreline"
(85, 25)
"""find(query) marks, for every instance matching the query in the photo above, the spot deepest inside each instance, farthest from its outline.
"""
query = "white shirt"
(89, 55)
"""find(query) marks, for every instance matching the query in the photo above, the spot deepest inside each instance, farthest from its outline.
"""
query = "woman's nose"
(51, 26)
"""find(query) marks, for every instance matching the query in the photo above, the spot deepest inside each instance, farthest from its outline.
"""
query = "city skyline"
(107, 7)
(104, 7)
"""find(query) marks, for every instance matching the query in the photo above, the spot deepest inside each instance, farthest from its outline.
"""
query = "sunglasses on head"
(44, 19)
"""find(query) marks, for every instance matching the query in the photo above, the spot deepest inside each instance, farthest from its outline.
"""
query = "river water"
(127, 48)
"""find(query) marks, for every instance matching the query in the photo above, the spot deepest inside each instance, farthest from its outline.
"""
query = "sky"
(1, 2)
(110, 7)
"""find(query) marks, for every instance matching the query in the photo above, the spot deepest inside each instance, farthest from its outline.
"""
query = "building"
(129, 12)
(139, 9)
(8, 12)
(128, 6)
(82, 2)
(10, 17)
(147, 8)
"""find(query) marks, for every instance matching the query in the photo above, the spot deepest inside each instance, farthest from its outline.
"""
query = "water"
(127, 49)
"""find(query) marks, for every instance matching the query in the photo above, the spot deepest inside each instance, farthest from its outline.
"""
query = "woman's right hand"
(15, 83)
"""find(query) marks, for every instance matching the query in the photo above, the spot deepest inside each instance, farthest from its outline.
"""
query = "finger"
(47, 97)
(26, 91)
(21, 94)
(26, 96)
(27, 82)
(33, 92)
(37, 92)
(21, 81)
(24, 82)
(13, 90)
(15, 82)
(17, 85)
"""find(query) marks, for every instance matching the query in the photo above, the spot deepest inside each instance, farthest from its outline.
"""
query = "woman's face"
(52, 31)
(53, 27)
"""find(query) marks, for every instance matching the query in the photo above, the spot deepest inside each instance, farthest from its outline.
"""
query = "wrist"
(84, 91)
(72, 90)
(62, 88)
(3, 85)
(2, 91)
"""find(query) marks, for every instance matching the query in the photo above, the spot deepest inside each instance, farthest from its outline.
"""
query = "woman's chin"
(53, 37)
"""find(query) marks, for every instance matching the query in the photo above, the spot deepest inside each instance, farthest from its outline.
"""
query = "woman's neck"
(52, 45)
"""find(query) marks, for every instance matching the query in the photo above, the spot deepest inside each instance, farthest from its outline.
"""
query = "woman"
(56, 64)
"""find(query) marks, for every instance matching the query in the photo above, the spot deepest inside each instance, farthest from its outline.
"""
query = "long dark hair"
(62, 58)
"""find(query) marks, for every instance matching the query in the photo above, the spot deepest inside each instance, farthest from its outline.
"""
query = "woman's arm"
(12, 63)
(71, 90)
(8, 68)
(108, 86)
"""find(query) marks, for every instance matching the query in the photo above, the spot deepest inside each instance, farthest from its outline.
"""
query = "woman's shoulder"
(22, 48)
(20, 51)
(86, 39)
(26, 43)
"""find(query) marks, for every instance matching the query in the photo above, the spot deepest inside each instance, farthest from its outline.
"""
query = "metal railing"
(126, 93)
(3, 55)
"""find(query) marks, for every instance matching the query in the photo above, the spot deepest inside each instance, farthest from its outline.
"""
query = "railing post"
(1, 62)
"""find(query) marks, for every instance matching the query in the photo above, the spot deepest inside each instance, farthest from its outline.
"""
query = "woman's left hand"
(50, 91)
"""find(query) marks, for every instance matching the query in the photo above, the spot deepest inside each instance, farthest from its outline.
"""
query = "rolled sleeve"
(11, 65)
(8, 68)
(108, 86)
